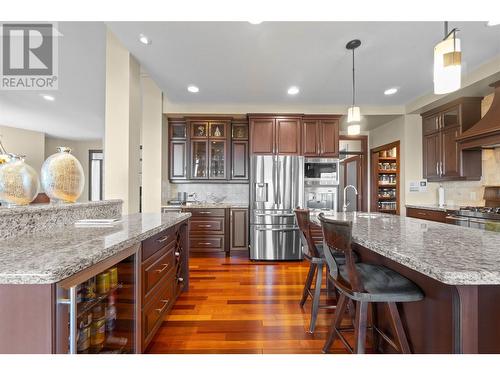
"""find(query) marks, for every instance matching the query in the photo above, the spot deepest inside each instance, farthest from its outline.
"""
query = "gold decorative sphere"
(19, 184)
(62, 176)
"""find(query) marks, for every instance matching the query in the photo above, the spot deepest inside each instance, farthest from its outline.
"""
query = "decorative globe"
(62, 176)
(19, 184)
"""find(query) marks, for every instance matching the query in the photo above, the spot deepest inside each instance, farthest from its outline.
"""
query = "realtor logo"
(28, 57)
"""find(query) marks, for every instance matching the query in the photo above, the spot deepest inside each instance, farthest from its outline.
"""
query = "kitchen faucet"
(344, 208)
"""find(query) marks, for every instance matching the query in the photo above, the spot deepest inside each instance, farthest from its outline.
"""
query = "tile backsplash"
(234, 193)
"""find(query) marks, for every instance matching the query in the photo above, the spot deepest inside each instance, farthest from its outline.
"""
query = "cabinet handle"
(205, 212)
(180, 279)
(177, 254)
(205, 226)
(163, 239)
(441, 168)
(437, 168)
(204, 243)
(160, 310)
(165, 266)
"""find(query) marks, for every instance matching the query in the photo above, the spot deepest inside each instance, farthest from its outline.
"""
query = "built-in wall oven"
(321, 180)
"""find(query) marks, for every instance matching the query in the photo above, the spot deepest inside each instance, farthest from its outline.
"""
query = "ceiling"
(78, 109)
(242, 63)
(237, 64)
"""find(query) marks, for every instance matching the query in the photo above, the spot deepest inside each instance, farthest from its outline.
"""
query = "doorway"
(354, 171)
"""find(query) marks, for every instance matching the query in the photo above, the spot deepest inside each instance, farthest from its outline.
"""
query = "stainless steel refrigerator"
(276, 189)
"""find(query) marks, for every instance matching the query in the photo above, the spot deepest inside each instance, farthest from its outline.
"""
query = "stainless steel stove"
(476, 217)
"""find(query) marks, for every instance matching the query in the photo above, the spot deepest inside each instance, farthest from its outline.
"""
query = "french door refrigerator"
(276, 189)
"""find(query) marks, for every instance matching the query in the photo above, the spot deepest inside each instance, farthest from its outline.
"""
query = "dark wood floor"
(238, 306)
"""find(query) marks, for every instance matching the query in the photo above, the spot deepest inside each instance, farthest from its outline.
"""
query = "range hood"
(485, 133)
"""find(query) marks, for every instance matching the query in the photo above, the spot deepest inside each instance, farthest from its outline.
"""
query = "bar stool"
(363, 283)
(314, 254)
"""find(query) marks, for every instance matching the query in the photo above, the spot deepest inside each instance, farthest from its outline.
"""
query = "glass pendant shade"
(353, 129)
(447, 66)
(353, 114)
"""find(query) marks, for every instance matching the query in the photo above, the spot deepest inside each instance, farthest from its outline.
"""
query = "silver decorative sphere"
(62, 176)
(19, 184)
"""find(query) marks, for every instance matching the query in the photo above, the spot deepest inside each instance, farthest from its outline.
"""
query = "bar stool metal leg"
(316, 297)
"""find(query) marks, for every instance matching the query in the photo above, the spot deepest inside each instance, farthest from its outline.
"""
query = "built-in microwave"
(321, 172)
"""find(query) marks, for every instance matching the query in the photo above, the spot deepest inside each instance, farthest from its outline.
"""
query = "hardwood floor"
(238, 306)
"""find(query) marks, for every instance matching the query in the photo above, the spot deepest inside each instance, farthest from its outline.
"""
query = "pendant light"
(447, 63)
(353, 112)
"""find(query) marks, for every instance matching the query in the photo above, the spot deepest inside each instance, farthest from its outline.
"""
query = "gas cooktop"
(480, 212)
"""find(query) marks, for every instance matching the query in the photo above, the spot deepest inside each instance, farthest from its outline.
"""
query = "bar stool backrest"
(337, 235)
(304, 223)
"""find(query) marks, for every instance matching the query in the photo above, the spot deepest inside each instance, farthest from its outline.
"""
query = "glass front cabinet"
(208, 149)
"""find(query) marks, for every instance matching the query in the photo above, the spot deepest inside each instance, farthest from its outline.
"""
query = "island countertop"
(49, 257)
(448, 253)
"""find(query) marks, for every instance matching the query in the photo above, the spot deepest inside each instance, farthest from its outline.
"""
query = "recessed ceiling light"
(50, 98)
(255, 22)
(294, 90)
(193, 88)
(144, 39)
(493, 23)
(391, 91)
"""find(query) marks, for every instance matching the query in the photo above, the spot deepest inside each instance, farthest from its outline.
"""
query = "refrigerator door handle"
(276, 215)
(275, 177)
(277, 229)
(280, 193)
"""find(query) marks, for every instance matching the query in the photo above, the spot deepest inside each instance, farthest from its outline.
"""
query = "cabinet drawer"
(196, 212)
(156, 267)
(212, 225)
(157, 307)
(418, 213)
(207, 243)
(156, 242)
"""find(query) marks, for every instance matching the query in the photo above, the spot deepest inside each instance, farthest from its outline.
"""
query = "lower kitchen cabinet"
(239, 229)
(432, 215)
(208, 229)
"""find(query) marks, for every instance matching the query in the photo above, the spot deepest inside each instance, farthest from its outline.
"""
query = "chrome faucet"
(344, 208)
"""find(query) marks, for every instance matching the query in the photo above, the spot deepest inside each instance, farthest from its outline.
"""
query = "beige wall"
(122, 125)
(80, 149)
(151, 139)
(25, 142)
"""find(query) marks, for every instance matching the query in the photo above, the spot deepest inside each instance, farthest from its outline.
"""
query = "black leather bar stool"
(314, 254)
(363, 283)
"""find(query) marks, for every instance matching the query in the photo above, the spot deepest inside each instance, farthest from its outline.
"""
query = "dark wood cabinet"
(320, 136)
(208, 230)
(443, 160)
(239, 229)
(239, 160)
(262, 136)
(432, 215)
(178, 160)
(275, 135)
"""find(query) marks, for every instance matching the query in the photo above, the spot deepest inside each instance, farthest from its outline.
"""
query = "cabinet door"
(288, 136)
(199, 159)
(450, 154)
(199, 129)
(178, 160)
(218, 130)
(430, 124)
(239, 229)
(217, 157)
(239, 160)
(432, 156)
(310, 139)
(450, 117)
(262, 133)
(329, 138)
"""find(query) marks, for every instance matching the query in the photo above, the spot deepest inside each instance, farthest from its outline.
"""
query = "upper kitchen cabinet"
(239, 150)
(320, 136)
(443, 160)
(275, 135)
(178, 149)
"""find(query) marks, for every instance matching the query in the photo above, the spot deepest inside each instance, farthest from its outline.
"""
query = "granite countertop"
(434, 207)
(44, 207)
(49, 257)
(211, 205)
(448, 253)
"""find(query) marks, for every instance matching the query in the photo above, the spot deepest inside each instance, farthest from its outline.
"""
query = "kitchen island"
(42, 273)
(457, 268)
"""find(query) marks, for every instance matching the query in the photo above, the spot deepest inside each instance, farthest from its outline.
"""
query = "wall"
(80, 149)
(25, 142)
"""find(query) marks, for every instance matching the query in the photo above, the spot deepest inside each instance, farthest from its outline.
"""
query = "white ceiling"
(78, 109)
(241, 63)
(236, 63)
